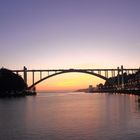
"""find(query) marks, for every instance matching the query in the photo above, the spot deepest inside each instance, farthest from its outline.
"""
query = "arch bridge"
(48, 73)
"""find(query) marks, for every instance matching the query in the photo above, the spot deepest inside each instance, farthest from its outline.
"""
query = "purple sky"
(69, 33)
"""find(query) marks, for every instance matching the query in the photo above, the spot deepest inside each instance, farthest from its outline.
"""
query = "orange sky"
(65, 82)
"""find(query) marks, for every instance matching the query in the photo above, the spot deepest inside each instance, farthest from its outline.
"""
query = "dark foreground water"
(70, 116)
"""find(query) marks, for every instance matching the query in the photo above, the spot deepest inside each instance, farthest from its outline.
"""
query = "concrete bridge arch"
(67, 71)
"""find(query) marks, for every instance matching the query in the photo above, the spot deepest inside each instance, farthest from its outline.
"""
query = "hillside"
(11, 83)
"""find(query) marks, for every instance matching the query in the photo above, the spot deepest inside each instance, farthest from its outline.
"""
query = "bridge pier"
(40, 75)
(113, 73)
(118, 76)
(99, 72)
(33, 80)
(106, 74)
(127, 72)
(122, 78)
(25, 74)
(120, 81)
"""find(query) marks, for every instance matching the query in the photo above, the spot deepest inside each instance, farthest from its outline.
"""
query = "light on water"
(70, 116)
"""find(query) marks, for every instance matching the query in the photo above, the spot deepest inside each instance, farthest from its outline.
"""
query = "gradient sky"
(69, 34)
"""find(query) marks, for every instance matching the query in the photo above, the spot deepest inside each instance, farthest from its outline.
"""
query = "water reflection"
(70, 116)
(137, 103)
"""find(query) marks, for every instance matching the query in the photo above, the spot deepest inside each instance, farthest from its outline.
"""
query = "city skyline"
(69, 34)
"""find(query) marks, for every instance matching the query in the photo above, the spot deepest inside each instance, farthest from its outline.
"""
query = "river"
(70, 116)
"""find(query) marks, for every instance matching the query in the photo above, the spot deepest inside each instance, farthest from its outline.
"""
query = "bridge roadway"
(101, 73)
(55, 70)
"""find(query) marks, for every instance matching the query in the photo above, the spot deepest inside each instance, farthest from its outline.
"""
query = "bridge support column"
(106, 74)
(33, 78)
(25, 74)
(122, 77)
(99, 72)
(40, 75)
(127, 72)
(118, 77)
(113, 73)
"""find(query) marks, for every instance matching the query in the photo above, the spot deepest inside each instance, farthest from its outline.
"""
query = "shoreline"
(17, 93)
(133, 92)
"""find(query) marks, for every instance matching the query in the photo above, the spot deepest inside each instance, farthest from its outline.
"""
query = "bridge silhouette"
(101, 73)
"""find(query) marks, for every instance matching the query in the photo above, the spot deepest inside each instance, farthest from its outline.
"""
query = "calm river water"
(70, 116)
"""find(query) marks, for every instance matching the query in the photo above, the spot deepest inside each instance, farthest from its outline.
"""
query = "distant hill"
(10, 83)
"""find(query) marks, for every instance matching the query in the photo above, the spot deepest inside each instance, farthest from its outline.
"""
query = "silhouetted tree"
(100, 86)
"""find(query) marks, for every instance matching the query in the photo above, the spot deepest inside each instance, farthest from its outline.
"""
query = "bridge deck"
(54, 70)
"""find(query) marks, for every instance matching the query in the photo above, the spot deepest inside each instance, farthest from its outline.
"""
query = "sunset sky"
(47, 34)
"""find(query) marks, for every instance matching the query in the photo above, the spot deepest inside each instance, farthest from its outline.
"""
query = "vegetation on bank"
(11, 84)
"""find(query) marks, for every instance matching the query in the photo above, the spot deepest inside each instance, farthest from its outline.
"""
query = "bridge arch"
(67, 71)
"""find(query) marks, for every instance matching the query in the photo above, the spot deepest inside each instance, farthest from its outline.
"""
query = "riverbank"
(17, 93)
(134, 92)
